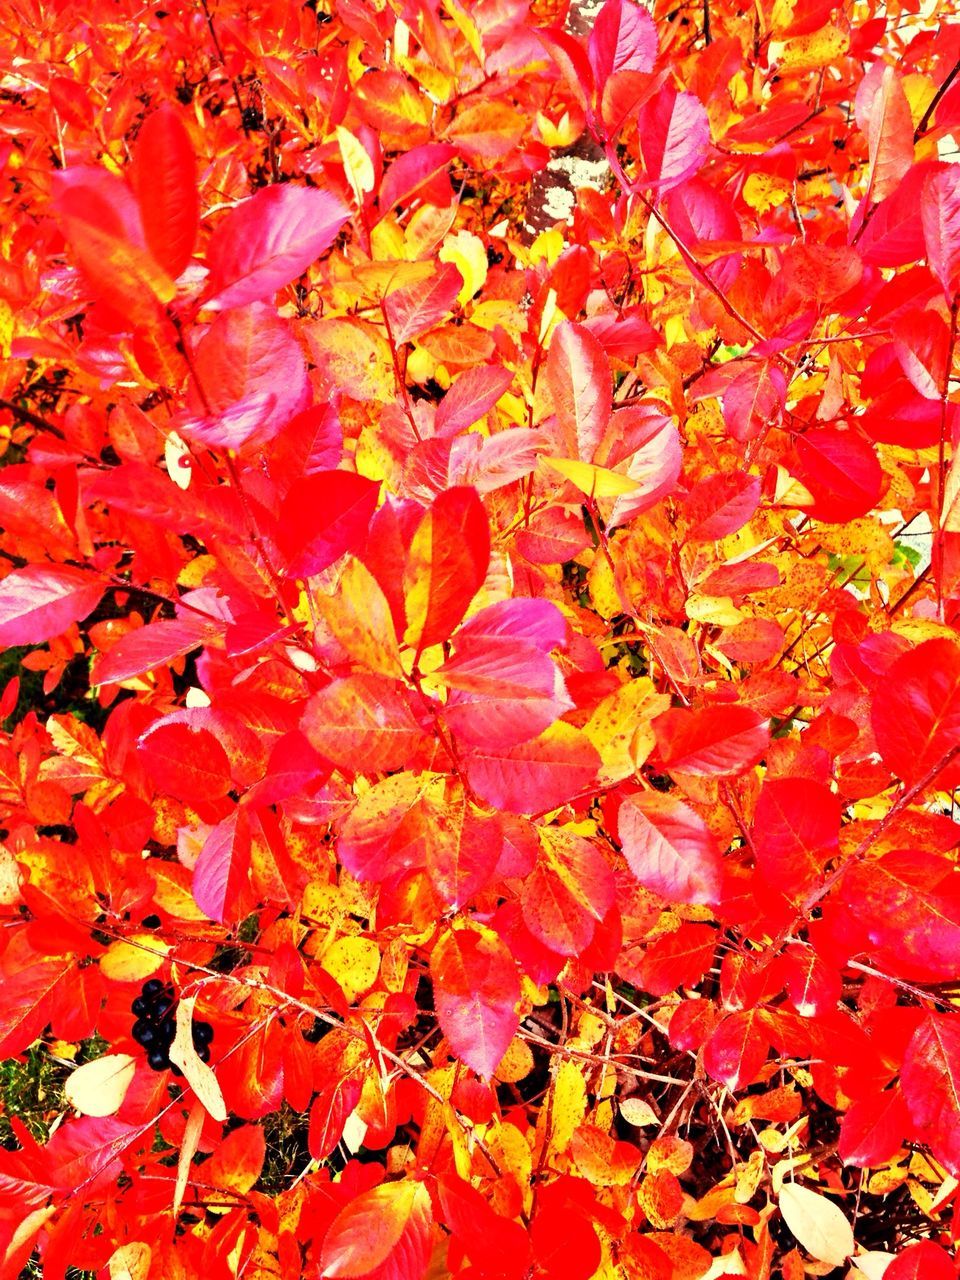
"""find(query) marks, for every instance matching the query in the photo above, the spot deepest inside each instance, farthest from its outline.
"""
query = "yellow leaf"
(357, 164)
(359, 617)
(516, 1064)
(468, 255)
(567, 1108)
(125, 961)
(466, 26)
(638, 1112)
(818, 49)
(764, 191)
(131, 1261)
(98, 1088)
(353, 963)
(620, 727)
(594, 481)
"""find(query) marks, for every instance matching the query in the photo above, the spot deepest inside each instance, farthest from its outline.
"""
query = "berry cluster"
(156, 1027)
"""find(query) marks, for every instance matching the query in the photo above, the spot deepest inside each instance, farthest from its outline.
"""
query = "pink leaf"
(669, 848)
(577, 376)
(413, 309)
(270, 240)
(476, 990)
(535, 776)
(221, 878)
(940, 217)
(41, 601)
(624, 38)
(674, 132)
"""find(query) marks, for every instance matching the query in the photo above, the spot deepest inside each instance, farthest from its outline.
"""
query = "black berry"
(151, 922)
(140, 1007)
(158, 1059)
(202, 1033)
(152, 988)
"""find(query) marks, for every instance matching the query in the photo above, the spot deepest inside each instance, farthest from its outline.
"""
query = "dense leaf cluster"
(481, 589)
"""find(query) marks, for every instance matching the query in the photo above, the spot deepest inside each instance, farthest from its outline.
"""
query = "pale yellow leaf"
(638, 1112)
(817, 1223)
(568, 1106)
(620, 727)
(198, 1075)
(188, 1149)
(594, 481)
(469, 255)
(130, 1261)
(98, 1088)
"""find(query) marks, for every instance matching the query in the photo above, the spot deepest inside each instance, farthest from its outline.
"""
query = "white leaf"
(198, 1075)
(817, 1223)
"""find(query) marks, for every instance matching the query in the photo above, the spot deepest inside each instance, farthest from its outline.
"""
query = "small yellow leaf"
(638, 1112)
(621, 727)
(594, 481)
(98, 1088)
(353, 963)
(357, 164)
(817, 1223)
(467, 253)
(125, 961)
(568, 1106)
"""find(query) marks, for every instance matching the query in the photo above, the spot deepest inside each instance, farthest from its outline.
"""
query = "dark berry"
(166, 1031)
(140, 1007)
(202, 1033)
(162, 1006)
(176, 1071)
(144, 1033)
(152, 988)
(151, 922)
(203, 1052)
(158, 1059)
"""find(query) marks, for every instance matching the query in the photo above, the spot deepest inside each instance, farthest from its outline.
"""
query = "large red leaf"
(164, 176)
(476, 989)
(883, 114)
(269, 240)
(669, 848)
(221, 878)
(737, 1049)
(916, 713)
(873, 1129)
(930, 1079)
(921, 1261)
(446, 566)
(154, 645)
(674, 133)
(187, 763)
(325, 514)
(940, 217)
(27, 998)
(577, 376)
(392, 1223)
(535, 776)
(41, 601)
(907, 903)
(796, 828)
(250, 379)
(494, 1245)
(624, 38)
(711, 741)
(841, 471)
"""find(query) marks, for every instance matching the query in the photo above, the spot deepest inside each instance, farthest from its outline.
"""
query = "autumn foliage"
(474, 656)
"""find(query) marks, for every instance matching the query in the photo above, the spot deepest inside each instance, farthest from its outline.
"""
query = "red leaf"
(269, 240)
(674, 133)
(930, 1079)
(325, 515)
(164, 174)
(413, 309)
(420, 173)
(737, 1049)
(472, 396)
(569, 893)
(873, 1129)
(446, 566)
(494, 1245)
(796, 828)
(916, 716)
(27, 997)
(476, 990)
(565, 1244)
(41, 601)
(462, 850)
(535, 776)
(720, 504)
(578, 379)
(155, 645)
(187, 763)
(336, 1098)
(883, 114)
(221, 878)
(669, 848)
(940, 217)
(841, 471)
(624, 38)
(908, 904)
(392, 1223)
(250, 379)
(921, 1261)
(712, 741)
